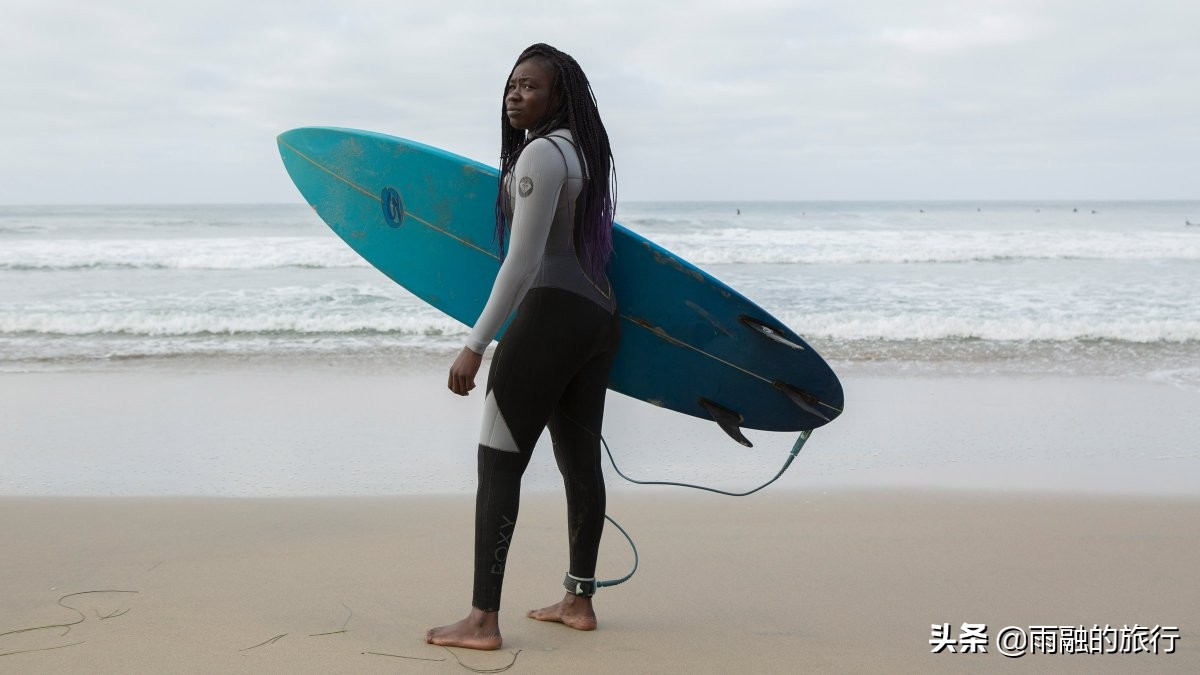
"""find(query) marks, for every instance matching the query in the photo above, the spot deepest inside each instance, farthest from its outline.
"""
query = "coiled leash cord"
(613, 582)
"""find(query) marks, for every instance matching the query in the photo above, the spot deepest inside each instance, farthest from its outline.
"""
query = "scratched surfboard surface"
(424, 217)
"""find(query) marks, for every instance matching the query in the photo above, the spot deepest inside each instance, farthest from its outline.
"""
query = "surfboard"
(425, 218)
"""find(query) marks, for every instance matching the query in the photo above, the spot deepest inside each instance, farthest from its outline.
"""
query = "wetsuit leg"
(497, 500)
(575, 429)
(554, 335)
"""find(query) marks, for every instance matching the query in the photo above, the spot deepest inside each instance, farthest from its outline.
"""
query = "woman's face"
(529, 94)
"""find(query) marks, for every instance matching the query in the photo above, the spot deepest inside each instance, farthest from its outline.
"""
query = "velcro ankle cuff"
(584, 588)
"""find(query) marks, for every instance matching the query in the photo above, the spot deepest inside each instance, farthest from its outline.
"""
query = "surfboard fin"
(804, 400)
(767, 330)
(728, 420)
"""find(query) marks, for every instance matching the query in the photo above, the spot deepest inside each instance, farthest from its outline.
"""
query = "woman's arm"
(537, 180)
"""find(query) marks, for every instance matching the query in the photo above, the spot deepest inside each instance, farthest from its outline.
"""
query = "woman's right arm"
(537, 180)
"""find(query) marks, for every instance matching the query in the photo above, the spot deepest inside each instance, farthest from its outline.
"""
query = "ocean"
(1110, 288)
(244, 350)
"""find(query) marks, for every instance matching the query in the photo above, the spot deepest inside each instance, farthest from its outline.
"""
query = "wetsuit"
(550, 368)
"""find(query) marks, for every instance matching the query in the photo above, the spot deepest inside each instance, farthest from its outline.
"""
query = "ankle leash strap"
(584, 588)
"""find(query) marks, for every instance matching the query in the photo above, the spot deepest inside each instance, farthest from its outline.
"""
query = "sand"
(797, 581)
(298, 430)
(271, 519)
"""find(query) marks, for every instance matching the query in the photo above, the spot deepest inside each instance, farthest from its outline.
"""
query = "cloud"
(971, 33)
(140, 101)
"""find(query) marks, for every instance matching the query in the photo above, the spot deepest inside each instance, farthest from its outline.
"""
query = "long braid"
(574, 108)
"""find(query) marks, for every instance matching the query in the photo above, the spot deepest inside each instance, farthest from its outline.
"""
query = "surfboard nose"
(292, 138)
(309, 142)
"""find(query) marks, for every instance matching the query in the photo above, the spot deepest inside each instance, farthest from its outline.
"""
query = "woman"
(555, 204)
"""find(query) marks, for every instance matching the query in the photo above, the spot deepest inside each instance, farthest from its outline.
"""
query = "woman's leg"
(497, 501)
(575, 429)
(541, 351)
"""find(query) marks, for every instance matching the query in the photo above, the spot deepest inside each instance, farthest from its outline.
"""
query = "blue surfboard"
(689, 343)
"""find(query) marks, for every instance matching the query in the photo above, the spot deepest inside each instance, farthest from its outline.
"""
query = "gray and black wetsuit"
(550, 368)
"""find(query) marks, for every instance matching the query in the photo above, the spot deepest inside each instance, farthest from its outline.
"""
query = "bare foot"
(480, 630)
(572, 610)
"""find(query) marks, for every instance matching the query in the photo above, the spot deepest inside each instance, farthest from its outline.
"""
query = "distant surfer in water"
(555, 205)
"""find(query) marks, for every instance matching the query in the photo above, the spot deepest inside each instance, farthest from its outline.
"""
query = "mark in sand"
(283, 635)
(265, 642)
(501, 669)
(67, 625)
(344, 624)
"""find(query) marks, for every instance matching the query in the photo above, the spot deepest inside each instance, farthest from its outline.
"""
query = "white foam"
(739, 245)
(229, 253)
(701, 246)
(906, 327)
(1187, 379)
(327, 309)
(179, 323)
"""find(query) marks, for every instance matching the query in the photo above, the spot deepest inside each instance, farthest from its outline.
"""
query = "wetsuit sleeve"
(537, 181)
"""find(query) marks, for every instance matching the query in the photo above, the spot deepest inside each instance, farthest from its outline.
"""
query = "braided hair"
(573, 107)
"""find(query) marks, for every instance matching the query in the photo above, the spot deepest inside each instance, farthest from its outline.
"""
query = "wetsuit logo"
(525, 187)
(501, 553)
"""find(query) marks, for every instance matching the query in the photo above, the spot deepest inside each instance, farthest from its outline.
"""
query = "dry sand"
(790, 581)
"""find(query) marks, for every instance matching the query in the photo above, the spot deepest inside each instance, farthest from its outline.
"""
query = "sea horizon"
(723, 200)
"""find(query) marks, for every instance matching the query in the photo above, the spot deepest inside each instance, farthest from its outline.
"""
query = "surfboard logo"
(393, 208)
(525, 187)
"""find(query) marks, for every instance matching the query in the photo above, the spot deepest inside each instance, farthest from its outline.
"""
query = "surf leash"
(603, 583)
(787, 462)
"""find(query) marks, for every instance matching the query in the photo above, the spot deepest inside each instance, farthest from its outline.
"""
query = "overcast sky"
(133, 102)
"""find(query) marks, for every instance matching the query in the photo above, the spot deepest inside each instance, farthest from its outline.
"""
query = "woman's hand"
(462, 373)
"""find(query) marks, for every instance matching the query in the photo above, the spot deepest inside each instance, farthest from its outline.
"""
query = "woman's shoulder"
(559, 136)
(554, 141)
(550, 149)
